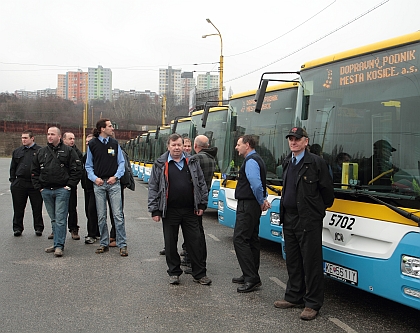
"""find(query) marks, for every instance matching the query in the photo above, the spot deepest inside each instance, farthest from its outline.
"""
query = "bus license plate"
(340, 273)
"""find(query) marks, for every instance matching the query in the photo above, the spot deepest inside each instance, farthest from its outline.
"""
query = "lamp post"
(221, 61)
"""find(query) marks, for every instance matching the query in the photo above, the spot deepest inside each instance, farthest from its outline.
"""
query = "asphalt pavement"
(86, 292)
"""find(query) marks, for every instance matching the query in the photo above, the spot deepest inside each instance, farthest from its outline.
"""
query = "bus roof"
(271, 88)
(212, 109)
(182, 120)
(393, 42)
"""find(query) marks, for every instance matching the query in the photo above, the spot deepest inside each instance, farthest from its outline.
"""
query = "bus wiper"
(361, 190)
(272, 188)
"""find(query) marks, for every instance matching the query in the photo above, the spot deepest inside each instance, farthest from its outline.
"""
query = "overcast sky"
(135, 38)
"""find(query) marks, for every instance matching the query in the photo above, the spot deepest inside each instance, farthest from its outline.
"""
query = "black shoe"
(17, 233)
(239, 280)
(38, 233)
(162, 252)
(248, 287)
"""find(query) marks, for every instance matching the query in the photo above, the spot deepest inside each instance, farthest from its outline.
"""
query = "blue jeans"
(114, 193)
(57, 205)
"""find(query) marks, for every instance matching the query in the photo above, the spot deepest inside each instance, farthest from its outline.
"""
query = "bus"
(149, 154)
(215, 128)
(360, 109)
(269, 129)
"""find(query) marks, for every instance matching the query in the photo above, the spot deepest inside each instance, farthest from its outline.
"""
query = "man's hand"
(266, 205)
(156, 218)
(99, 181)
(111, 180)
(199, 212)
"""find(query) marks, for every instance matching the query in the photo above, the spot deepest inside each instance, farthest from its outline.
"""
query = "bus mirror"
(174, 126)
(305, 108)
(205, 115)
(259, 96)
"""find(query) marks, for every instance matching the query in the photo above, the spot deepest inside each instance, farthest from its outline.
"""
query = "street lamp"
(221, 61)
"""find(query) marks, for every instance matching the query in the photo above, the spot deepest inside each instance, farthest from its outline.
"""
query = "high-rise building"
(76, 89)
(187, 84)
(61, 86)
(170, 84)
(207, 81)
(72, 86)
(100, 83)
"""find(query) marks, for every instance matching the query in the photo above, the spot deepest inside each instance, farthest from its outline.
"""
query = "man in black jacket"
(56, 169)
(69, 140)
(21, 185)
(307, 192)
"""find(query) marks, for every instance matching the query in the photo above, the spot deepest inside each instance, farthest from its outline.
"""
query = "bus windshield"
(215, 130)
(269, 129)
(362, 117)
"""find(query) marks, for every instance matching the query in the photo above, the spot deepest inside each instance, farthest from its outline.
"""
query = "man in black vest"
(21, 185)
(105, 165)
(307, 192)
(252, 200)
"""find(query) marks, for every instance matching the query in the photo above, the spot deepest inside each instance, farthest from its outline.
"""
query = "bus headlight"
(275, 218)
(215, 193)
(410, 266)
(221, 205)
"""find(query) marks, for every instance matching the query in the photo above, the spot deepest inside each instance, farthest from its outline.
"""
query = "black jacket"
(20, 165)
(56, 167)
(159, 186)
(314, 190)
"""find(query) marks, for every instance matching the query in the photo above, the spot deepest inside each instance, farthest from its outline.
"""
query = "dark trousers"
(91, 214)
(188, 221)
(21, 190)
(72, 218)
(246, 240)
(304, 263)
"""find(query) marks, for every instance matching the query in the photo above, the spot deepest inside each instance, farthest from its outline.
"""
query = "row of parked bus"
(361, 111)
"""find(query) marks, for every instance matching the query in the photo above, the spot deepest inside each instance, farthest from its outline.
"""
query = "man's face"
(53, 137)
(187, 146)
(242, 147)
(108, 130)
(296, 145)
(88, 139)
(176, 148)
(69, 140)
(26, 140)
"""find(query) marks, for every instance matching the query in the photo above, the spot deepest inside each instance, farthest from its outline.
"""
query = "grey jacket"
(159, 184)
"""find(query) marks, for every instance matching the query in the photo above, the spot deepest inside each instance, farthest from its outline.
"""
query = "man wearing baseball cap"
(307, 192)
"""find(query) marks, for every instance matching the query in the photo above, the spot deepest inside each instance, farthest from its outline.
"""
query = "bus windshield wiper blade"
(362, 190)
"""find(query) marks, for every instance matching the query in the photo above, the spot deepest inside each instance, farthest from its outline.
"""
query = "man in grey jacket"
(178, 195)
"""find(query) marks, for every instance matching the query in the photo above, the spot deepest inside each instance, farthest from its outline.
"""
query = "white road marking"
(278, 282)
(143, 218)
(340, 324)
(214, 237)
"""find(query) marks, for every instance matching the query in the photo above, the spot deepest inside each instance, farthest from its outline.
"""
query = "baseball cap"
(297, 132)
(383, 145)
